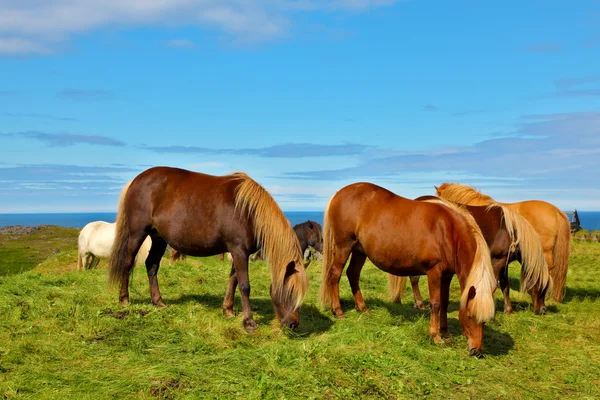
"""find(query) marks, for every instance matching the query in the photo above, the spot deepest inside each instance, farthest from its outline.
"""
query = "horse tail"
(396, 287)
(325, 296)
(534, 269)
(560, 255)
(275, 237)
(118, 256)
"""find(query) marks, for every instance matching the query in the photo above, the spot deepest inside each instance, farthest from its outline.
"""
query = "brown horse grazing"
(510, 238)
(551, 224)
(406, 237)
(310, 233)
(204, 215)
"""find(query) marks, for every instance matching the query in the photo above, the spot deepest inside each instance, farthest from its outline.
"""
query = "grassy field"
(64, 335)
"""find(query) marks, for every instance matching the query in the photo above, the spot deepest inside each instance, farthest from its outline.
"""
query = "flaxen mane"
(461, 193)
(534, 270)
(481, 276)
(278, 242)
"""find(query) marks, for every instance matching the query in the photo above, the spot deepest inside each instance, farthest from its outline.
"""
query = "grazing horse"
(551, 224)
(310, 233)
(510, 238)
(406, 237)
(96, 240)
(204, 215)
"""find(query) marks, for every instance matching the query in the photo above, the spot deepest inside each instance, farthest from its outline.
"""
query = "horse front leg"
(414, 282)
(157, 250)
(240, 263)
(230, 294)
(505, 286)
(434, 280)
(444, 300)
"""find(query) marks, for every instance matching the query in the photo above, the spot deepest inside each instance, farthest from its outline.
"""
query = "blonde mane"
(462, 194)
(534, 269)
(481, 276)
(279, 244)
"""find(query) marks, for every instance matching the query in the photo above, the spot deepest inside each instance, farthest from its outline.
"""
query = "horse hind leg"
(505, 286)
(133, 246)
(357, 261)
(414, 282)
(159, 245)
(333, 280)
(230, 294)
(434, 280)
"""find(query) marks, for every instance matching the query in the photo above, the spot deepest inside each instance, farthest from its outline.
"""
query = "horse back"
(396, 233)
(194, 212)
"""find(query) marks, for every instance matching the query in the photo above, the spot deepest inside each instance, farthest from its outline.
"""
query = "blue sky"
(305, 96)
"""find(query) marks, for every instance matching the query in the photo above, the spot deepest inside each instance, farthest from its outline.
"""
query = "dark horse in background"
(406, 237)
(204, 215)
(309, 233)
(509, 237)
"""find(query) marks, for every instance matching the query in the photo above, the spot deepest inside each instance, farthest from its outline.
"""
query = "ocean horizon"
(590, 220)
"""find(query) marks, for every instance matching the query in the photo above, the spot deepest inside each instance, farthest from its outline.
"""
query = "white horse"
(96, 240)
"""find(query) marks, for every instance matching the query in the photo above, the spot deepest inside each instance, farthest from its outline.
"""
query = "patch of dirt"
(123, 313)
(164, 389)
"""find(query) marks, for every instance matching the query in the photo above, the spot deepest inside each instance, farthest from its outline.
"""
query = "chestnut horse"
(510, 238)
(204, 215)
(551, 224)
(406, 237)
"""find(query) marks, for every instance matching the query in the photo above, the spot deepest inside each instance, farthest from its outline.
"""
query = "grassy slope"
(20, 253)
(63, 335)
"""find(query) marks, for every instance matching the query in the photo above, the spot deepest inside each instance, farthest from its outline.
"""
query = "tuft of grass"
(64, 335)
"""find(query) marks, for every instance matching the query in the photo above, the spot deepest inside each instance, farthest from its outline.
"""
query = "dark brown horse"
(309, 233)
(406, 237)
(203, 215)
(510, 238)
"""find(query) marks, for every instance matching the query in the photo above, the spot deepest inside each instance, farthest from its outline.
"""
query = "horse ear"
(437, 189)
(307, 264)
(310, 225)
(290, 269)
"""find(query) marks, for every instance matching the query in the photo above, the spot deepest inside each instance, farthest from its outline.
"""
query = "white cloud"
(38, 26)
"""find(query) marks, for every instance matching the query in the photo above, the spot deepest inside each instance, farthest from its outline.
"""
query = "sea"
(79, 220)
(589, 220)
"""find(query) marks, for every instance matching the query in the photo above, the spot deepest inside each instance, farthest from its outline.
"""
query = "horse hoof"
(250, 325)
(509, 311)
(228, 313)
(339, 314)
(125, 302)
(437, 339)
(160, 304)
(363, 310)
(419, 306)
(475, 353)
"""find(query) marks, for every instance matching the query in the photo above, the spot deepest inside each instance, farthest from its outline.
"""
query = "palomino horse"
(510, 238)
(406, 237)
(96, 240)
(203, 215)
(551, 224)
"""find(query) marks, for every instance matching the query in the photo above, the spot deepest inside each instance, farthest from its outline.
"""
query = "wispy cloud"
(544, 47)
(7, 92)
(43, 27)
(20, 46)
(288, 150)
(62, 172)
(179, 44)
(87, 95)
(430, 107)
(465, 113)
(548, 149)
(68, 139)
(567, 83)
(38, 116)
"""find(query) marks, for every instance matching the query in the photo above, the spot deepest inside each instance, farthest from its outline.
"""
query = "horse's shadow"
(495, 342)
(312, 320)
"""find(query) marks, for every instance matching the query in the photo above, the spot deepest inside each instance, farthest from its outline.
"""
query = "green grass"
(63, 335)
